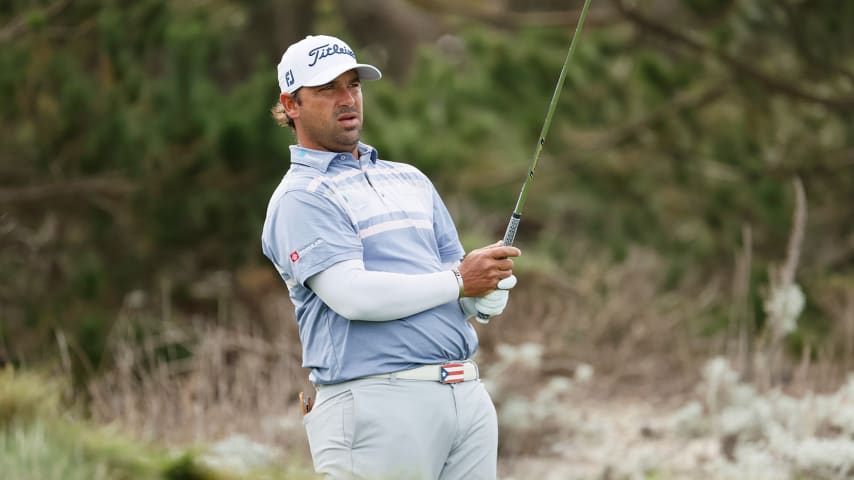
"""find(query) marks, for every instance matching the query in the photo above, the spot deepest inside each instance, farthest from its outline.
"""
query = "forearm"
(359, 294)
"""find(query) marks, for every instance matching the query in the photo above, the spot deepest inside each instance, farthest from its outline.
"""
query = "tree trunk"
(391, 30)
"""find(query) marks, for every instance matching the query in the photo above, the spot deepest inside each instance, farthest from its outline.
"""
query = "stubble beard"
(335, 138)
(349, 138)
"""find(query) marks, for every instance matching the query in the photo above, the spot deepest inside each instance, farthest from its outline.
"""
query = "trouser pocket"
(330, 429)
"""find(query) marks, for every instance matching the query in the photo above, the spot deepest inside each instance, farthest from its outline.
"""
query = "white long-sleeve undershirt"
(359, 294)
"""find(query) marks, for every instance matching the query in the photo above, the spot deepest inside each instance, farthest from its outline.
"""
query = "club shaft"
(512, 227)
(516, 217)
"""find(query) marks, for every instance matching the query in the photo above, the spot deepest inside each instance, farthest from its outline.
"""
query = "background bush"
(138, 153)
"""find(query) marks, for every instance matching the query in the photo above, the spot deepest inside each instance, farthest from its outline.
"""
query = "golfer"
(381, 287)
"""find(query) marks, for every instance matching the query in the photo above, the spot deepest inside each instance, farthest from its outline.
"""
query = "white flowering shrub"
(688, 421)
(729, 431)
(784, 305)
(811, 436)
(533, 409)
(239, 454)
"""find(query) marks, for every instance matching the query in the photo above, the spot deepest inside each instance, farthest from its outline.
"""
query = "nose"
(345, 97)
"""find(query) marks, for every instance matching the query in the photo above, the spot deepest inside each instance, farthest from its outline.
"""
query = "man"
(382, 293)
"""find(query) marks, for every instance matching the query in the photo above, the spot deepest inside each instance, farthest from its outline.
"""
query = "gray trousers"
(377, 429)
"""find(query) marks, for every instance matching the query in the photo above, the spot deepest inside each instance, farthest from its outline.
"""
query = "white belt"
(453, 372)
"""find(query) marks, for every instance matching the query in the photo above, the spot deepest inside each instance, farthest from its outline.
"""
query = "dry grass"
(199, 382)
(181, 380)
(616, 317)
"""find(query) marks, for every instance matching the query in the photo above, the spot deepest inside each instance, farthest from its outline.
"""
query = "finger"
(507, 283)
(489, 308)
(504, 252)
(494, 298)
(504, 264)
(488, 301)
(490, 246)
(493, 303)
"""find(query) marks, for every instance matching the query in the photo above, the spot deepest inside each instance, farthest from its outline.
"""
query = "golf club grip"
(512, 227)
(509, 238)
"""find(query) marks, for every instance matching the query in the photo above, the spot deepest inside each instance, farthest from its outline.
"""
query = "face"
(328, 117)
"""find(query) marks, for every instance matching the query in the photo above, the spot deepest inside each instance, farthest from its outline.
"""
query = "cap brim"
(365, 71)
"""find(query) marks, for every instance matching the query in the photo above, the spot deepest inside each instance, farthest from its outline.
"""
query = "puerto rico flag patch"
(294, 256)
(452, 373)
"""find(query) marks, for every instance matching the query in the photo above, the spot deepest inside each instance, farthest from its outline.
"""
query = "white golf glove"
(491, 304)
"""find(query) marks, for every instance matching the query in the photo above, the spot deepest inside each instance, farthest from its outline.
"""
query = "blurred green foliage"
(41, 438)
(137, 143)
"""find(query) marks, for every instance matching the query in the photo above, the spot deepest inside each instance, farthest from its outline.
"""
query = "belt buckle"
(452, 373)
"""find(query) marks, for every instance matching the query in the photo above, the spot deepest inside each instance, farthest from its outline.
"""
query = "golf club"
(510, 233)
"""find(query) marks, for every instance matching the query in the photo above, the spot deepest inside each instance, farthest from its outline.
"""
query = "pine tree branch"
(494, 14)
(679, 103)
(91, 187)
(769, 81)
(802, 44)
(21, 24)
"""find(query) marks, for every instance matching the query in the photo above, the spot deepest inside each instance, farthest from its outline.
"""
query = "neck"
(313, 146)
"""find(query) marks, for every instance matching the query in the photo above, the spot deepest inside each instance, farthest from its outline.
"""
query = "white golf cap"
(318, 59)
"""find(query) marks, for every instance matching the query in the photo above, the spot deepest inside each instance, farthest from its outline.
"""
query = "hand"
(490, 304)
(483, 268)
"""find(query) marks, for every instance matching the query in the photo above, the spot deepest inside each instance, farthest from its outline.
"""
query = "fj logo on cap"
(289, 77)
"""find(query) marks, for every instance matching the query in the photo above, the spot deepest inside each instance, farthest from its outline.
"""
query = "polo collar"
(320, 160)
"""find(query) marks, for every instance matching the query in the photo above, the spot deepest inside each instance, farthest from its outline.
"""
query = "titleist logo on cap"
(323, 51)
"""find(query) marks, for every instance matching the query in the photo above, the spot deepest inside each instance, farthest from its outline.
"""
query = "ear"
(290, 105)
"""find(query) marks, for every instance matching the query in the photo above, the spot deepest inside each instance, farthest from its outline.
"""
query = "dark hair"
(279, 115)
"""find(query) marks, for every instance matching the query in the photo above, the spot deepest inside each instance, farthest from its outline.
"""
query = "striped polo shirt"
(331, 207)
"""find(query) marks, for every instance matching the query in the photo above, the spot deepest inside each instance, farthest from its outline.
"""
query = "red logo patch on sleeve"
(294, 256)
